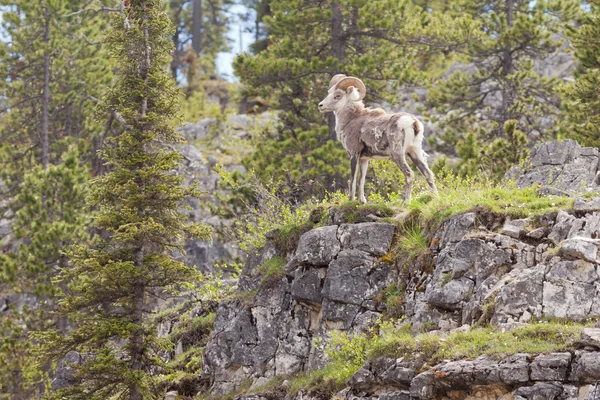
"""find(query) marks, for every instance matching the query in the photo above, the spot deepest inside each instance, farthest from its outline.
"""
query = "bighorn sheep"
(371, 134)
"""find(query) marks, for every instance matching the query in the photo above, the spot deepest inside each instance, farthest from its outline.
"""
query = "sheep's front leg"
(353, 170)
(364, 165)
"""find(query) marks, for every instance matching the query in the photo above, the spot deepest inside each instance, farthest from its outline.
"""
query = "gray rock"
(561, 228)
(362, 379)
(540, 391)
(578, 249)
(338, 315)
(371, 237)
(199, 130)
(452, 295)
(555, 153)
(538, 233)
(515, 369)
(307, 286)
(455, 229)
(561, 165)
(318, 246)
(172, 395)
(512, 231)
(354, 277)
(569, 290)
(192, 154)
(586, 367)
(586, 206)
(397, 395)
(422, 386)
(590, 337)
(550, 367)
(65, 371)
(523, 293)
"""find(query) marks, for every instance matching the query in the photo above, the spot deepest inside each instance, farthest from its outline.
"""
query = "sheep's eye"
(337, 97)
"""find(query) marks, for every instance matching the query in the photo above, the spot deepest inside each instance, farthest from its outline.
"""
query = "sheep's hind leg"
(400, 160)
(422, 166)
(353, 170)
(364, 165)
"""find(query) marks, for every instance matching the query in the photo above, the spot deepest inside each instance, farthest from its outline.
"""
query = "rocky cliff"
(482, 276)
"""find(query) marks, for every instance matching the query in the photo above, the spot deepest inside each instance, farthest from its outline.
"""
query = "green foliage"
(141, 218)
(495, 159)
(21, 375)
(539, 337)
(583, 100)
(380, 42)
(50, 215)
(61, 32)
(458, 194)
(306, 161)
(412, 241)
(502, 83)
(272, 270)
(267, 210)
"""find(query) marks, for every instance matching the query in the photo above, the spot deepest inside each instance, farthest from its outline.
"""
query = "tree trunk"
(507, 69)
(197, 26)
(337, 51)
(46, 94)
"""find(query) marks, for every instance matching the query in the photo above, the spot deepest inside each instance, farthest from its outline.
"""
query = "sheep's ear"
(353, 92)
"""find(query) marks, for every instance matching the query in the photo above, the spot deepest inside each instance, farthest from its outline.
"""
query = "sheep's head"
(342, 89)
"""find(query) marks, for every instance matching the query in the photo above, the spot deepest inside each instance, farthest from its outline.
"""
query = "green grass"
(540, 337)
(413, 240)
(272, 270)
(457, 195)
(194, 330)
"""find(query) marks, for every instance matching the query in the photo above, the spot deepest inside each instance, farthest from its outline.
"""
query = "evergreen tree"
(583, 105)
(310, 41)
(257, 11)
(52, 215)
(54, 69)
(114, 281)
(503, 83)
(200, 33)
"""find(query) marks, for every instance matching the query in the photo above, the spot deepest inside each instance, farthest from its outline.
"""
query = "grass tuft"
(273, 270)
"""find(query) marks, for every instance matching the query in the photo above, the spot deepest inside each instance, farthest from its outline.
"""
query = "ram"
(371, 134)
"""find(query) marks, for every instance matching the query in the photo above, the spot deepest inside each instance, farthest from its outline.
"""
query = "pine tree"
(55, 70)
(583, 105)
(114, 281)
(200, 33)
(503, 84)
(52, 215)
(310, 41)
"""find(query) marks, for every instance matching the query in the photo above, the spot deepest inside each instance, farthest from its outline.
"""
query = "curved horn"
(346, 82)
(335, 80)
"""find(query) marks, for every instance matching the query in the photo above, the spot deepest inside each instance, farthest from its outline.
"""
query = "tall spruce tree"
(114, 281)
(502, 83)
(583, 105)
(312, 40)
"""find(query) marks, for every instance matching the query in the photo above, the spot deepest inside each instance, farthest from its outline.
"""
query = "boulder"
(561, 165)
(578, 248)
(318, 246)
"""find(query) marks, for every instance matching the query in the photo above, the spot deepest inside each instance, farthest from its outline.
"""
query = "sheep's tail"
(419, 130)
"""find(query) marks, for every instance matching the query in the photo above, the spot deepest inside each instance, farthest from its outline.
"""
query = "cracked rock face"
(331, 283)
(562, 166)
(470, 273)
